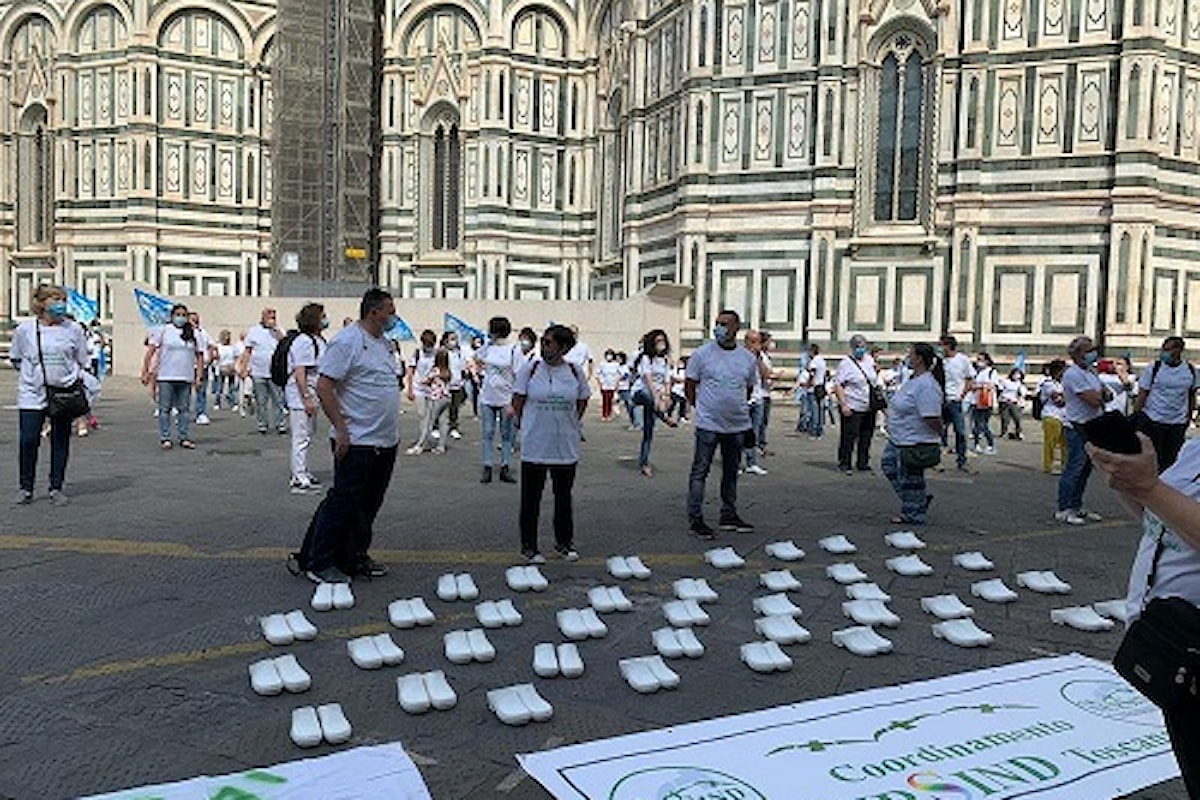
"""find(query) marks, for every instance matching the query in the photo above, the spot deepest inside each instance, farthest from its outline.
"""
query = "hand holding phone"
(1113, 431)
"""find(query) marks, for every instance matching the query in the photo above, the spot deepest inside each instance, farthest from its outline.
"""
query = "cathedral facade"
(1012, 171)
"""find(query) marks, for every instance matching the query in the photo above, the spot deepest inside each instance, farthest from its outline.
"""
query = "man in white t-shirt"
(720, 378)
(959, 374)
(360, 394)
(208, 349)
(1166, 400)
(260, 343)
(753, 342)
(819, 374)
(1084, 398)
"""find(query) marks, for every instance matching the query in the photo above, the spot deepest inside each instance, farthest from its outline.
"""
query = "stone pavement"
(132, 613)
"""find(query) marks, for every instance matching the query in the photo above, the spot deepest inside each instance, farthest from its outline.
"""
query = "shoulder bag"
(1160, 654)
(920, 456)
(878, 401)
(62, 403)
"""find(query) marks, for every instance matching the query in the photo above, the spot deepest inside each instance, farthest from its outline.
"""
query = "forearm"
(1177, 511)
(329, 403)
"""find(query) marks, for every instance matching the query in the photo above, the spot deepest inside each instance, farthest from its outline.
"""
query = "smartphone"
(1114, 432)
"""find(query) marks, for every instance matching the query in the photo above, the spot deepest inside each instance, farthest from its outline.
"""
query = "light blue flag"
(1020, 362)
(400, 333)
(81, 307)
(464, 330)
(155, 310)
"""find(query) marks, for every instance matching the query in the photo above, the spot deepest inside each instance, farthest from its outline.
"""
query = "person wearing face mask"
(853, 382)
(550, 397)
(608, 376)
(652, 389)
(49, 349)
(1083, 400)
(457, 361)
(1166, 400)
(359, 390)
(208, 349)
(527, 342)
(914, 427)
(180, 355)
(959, 374)
(720, 377)
(258, 350)
(420, 364)
(983, 404)
(474, 377)
(304, 354)
(497, 363)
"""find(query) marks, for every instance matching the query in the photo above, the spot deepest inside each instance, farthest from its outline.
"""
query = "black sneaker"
(736, 523)
(566, 553)
(370, 568)
(701, 530)
(487, 475)
(327, 575)
(506, 475)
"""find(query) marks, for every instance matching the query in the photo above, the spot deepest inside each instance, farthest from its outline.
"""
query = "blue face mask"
(859, 352)
(178, 321)
(1165, 358)
(720, 332)
(57, 309)
(324, 323)
(391, 322)
(1091, 358)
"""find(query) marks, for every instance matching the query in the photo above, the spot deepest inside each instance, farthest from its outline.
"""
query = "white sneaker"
(334, 725)
(755, 469)
(600, 601)
(667, 678)
(993, 591)
(1070, 517)
(536, 580)
(638, 675)
(1043, 582)
(455, 435)
(990, 450)
(569, 662)
(618, 567)
(415, 450)
(1113, 609)
(639, 570)
(295, 678)
(724, 558)
(517, 579)
(862, 641)
(618, 599)
(306, 727)
(694, 589)
(572, 625)
(203, 420)
(488, 615)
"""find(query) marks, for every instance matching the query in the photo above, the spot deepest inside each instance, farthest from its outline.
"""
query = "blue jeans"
(268, 396)
(226, 386)
(177, 395)
(908, 484)
(981, 426)
(30, 433)
(952, 414)
(1075, 474)
(491, 416)
(645, 403)
(627, 403)
(702, 458)
(342, 528)
(761, 431)
(202, 395)
(757, 413)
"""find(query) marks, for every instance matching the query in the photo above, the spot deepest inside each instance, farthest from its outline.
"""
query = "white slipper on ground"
(640, 571)
(295, 678)
(845, 573)
(572, 625)
(862, 641)
(600, 600)
(488, 615)
(391, 652)
(619, 568)
(946, 606)
(508, 706)
(974, 561)
(306, 727)
(595, 626)
(667, 678)
(343, 597)
(517, 579)
(1083, 618)
(266, 680)
(619, 601)
(782, 629)
(666, 642)
(838, 545)
(545, 660)
(401, 615)
(638, 675)
(779, 580)
(334, 725)
(569, 662)
(302, 629)
(421, 612)
(870, 612)
(441, 695)
(765, 657)
(1043, 582)
(508, 613)
(724, 558)
(867, 591)
(275, 629)
(774, 605)
(365, 653)
(1113, 609)
(458, 649)
(447, 588)
(411, 693)
(784, 551)
(537, 581)
(909, 566)
(695, 589)
(697, 614)
(467, 590)
(539, 709)
(993, 591)
(963, 633)
(322, 599)
(481, 649)
(692, 647)
(904, 540)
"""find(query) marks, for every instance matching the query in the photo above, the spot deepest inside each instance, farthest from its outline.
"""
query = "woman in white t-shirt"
(1012, 401)
(1167, 565)
(1054, 418)
(608, 377)
(226, 369)
(625, 389)
(49, 349)
(497, 363)
(304, 354)
(983, 403)
(549, 399)
(180, 356)
(652, 389)
(914, 420)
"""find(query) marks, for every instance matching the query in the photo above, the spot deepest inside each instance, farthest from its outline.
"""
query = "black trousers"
(855, 439)
(1184, 728)
(342, 528)
(1168, 440)
(533, 482)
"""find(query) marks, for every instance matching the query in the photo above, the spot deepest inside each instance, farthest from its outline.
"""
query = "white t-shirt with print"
(227, 356)
(678, 375)
(1169, 390)
(856, 383)
(653, 371)
(1179, 565)
(368, 388)
(1075, 381)
(579, 355)
(959, 370)
(458, 366)
(1051, 409)
(499, 362)
(819, 370)
(305, 352)
(916, 399)
(723, 379)
(263, 342)
(550, 430)
(608, 375)
(1011, 391)
(421, 362)
(64, 352)
(987, 375)
(1120, 392)
(176, 358)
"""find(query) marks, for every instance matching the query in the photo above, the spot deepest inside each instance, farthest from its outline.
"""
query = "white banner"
(1060, 728)
(365, 773)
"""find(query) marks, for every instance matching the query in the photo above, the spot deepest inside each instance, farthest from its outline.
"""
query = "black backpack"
(279, 359)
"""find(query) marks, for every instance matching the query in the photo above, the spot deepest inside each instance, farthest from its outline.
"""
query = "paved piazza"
(132, 613)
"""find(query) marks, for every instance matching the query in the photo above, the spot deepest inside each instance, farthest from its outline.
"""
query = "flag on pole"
(1020, 363)
(81, 307)
(155, 310)
(464, 330)
(400, 333)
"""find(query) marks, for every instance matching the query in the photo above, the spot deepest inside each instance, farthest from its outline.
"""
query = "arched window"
(1132, 100)
(702, 39)
(538, 32)
(1122, 277)
(827, 125)
(699, 143)
(972, 112)
(35, 180)
(447, 177)
(1143, 277)
(902, 132)
(1139, 12)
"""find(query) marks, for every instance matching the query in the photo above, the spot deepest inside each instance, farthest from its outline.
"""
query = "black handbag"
(1160, 654)
(878, 401)
(920, 456)
(62, 402)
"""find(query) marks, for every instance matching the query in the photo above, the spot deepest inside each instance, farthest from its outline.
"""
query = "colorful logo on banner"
(81, 307)
(464, 330)
(401, 333)
(155, 310)
(683, 783)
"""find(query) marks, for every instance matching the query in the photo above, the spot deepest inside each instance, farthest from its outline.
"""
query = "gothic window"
(35, 176)
(446, 188)
(1122, 277)
(702, 44)
(699, 143)
(827, 142)
(972, 112)
(1143, 276)
(977, 21)
(537, 32)
(1133, 98)
(901, 142)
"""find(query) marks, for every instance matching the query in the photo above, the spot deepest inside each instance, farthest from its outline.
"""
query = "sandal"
(165, 444)
(187, 444)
